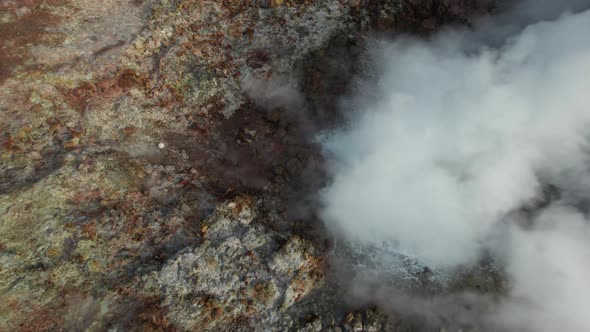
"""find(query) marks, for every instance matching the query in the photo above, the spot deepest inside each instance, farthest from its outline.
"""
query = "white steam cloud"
(461, 139)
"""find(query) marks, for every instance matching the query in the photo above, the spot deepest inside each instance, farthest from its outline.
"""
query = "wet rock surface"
(157, 161)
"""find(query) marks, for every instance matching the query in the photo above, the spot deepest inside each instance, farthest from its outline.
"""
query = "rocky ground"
(157, 162)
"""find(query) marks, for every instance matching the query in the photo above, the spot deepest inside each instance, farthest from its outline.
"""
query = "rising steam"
(456, 156)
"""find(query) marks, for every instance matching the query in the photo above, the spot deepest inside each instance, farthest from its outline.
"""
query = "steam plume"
(455, 157)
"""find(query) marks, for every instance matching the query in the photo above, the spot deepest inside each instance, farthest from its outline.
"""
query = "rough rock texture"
(240, 274)
(146, 167)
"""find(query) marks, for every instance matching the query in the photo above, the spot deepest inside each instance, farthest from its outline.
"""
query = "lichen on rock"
(228, 277)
